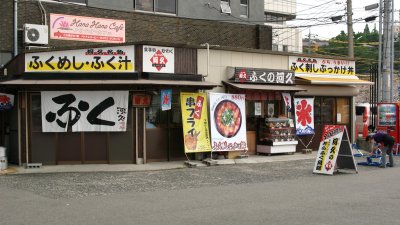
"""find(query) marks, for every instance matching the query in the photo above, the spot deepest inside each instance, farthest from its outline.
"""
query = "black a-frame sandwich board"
(334, 151)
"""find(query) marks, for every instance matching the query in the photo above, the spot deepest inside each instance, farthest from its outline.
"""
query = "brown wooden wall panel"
(43, 148)
(186, 60)
(69, 148)
(157, 144)
(121, 147)
(139, 58)
(95, 147)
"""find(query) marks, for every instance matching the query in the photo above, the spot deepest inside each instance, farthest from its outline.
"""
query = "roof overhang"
(263, 87)
(331, 80)
(108, 82)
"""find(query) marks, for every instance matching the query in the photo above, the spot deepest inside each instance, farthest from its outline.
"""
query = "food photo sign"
(228, 122)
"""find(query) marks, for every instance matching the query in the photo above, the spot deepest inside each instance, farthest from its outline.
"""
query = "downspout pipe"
(207, 45)
(15, 53)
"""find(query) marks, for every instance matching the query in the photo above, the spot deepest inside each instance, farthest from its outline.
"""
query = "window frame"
(155, 7)
(227, 4)
(247, 9)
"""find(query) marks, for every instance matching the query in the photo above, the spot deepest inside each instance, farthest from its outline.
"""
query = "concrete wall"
(281, 7)
(210, 9)
(126, 5)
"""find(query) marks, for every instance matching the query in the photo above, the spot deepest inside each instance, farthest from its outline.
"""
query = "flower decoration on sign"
(303, 113)
(328, 166)
(64, 24)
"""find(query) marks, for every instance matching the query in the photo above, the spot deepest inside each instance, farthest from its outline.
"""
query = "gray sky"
(319, 12)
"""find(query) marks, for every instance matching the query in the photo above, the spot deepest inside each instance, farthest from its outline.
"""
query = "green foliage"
(366, 46)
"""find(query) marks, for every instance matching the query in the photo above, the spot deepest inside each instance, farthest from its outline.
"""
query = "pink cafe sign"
(79, 28)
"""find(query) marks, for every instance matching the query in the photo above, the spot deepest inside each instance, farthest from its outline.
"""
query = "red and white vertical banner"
(6, 101)
(228, 122)
(304, 115)
(288, 100)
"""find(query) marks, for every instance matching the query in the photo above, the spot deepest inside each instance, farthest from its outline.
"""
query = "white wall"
(287, 6)
(290, 37)
(220, 60)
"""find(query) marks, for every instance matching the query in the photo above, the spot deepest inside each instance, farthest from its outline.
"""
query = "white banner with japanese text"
(158, 59)
(119, 59)
(228, 122)
(77, 111)
(304, 115)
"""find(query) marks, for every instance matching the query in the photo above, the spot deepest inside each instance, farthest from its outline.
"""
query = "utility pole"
(386, 56)
(15, 44)
(350, 29)
(309, 41)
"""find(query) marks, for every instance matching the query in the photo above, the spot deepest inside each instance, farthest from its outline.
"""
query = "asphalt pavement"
(281, 191)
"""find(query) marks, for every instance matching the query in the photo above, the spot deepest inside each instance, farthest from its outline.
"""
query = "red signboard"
(141, 100)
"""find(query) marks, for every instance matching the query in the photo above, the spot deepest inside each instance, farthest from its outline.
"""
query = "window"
(156, 118)
(165, 6)
(73, 1)
(284, 48)
(162, 6)
(274, 47)
(225, 7)
(331, 110)
(244, 8)
(146, 5)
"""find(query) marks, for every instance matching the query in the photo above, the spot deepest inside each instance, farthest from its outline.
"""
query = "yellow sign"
(196, 133)
(113, 59)
(321, 66)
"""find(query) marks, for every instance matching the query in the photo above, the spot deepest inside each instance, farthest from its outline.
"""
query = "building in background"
(284, 38)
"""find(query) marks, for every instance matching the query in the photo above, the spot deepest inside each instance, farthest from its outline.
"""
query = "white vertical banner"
(228, 122)
(257, 108)
(100, 111)
(304, 115)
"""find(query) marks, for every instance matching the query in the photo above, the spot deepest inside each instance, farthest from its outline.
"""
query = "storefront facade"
(333, 92)
(79, 132)
(333, 85)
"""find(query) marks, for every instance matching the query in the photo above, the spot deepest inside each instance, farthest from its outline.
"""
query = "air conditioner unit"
(36, 34)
